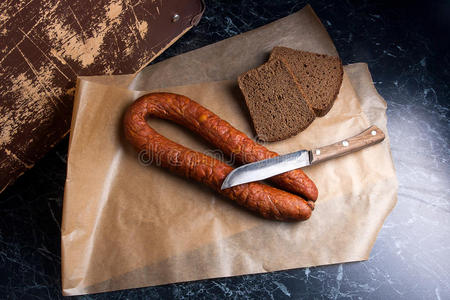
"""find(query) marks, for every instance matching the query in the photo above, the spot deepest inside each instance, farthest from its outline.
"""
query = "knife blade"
(267, 168)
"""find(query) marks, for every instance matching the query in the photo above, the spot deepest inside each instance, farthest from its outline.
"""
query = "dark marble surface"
(406, 45)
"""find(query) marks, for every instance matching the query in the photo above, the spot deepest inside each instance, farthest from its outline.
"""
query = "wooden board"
(45, 44)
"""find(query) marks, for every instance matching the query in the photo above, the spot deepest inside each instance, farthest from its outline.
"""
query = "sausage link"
(269, 202)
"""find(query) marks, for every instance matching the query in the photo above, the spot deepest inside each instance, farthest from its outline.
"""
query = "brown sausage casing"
(267, 201)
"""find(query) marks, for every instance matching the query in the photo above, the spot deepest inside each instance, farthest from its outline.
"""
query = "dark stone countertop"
(406, 44)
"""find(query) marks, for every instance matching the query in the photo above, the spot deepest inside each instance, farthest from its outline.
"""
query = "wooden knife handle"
(371, 136)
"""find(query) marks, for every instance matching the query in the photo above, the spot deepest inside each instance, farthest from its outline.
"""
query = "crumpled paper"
(127, 224)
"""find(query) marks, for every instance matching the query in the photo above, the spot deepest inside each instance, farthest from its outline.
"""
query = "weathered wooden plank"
(45, 44)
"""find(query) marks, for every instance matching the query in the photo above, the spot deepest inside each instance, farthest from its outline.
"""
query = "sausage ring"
(269, 202)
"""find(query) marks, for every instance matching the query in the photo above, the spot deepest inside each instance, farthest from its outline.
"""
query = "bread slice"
(319, 76)
(276, 105)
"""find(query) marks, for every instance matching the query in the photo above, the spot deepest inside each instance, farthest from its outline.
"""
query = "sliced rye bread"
(319, 76)
(276, 105)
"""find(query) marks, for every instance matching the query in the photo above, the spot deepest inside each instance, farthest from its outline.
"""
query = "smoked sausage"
(267, 201)
(231, 141)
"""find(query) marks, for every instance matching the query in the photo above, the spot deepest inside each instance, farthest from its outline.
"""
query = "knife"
(283, 163)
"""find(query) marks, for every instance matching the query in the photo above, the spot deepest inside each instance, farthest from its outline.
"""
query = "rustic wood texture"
(46, 44)
(371, 136)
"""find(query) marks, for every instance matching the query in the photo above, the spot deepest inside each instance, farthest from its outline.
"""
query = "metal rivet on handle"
(373, 132)
(175, 18)
(317, 151)
(345, 143)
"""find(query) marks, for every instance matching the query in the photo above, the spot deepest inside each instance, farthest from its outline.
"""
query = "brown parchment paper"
(128, 225)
